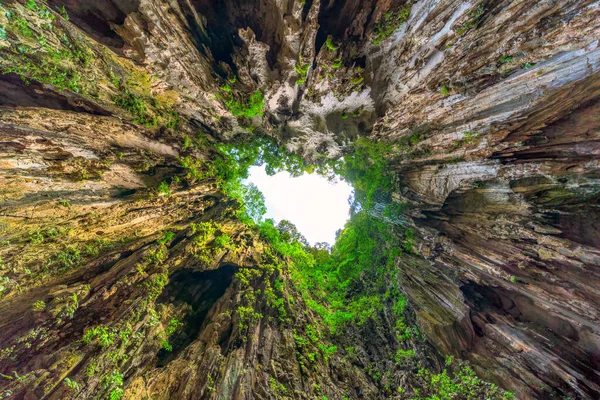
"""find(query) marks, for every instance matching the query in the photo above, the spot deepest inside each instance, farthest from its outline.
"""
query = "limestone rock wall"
(492, 107)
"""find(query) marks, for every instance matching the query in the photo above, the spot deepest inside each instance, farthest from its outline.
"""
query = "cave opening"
(317, 206)
(198, 291)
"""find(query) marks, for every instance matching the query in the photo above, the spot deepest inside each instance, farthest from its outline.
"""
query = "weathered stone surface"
(495, 104)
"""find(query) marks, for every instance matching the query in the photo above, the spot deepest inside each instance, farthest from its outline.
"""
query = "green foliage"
(366, 168)
(254, 202)
(102, 335)
(72, 384)
(31, 5)
(357, 79)
(93, 248)
(4, 282)
(230, 168)
(527, 65)
(222, 241)
(348, 284)
(137, 106)
(251, 108)
(276, 386)
(68, 310)
(247, 314)
(444, 90)
(337, 63)
(166, 238)
(36, 237)
(147, 110)
(21, 27)
(226, 88)
(506, 59)
(68, 258)
(468, 137)
(389, 24)
(205, 232)
(154, 285)
(459, 384)
(302, 70)
(401, 355)
(163, 189)
(164, 343)
(44, 62)
(65, 203)
(329, 44)
(275, 300)
(409, 241)
(39, 305)
(174, 325)
(514, 279)
(345, 285)
(63, 12)
(115, 381)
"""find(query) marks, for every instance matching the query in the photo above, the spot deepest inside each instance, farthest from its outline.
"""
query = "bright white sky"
(316, 206)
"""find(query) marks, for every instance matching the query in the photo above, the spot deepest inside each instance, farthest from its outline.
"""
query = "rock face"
(494, 111)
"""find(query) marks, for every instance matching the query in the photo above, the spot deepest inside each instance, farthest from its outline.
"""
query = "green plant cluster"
(329, 44)
(104, 336)
(336, 63)
(36, 58)
(456, 381)
(174, 325)
(114, 382)
(389, 24)
(229, 168)
(366, 168)
(348, 283)
(250, 108)
(146, 110)
(137, 106)
(302, 70)
(208, 240)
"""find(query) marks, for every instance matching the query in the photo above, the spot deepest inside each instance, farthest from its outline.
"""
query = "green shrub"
(163, 189)
(39, 306)
(401, 354)
(36, 237)
(457, 381)
(115, 381)
(102, 335)
(246, 109)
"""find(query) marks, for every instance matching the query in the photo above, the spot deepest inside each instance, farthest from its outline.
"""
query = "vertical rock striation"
(494, 114)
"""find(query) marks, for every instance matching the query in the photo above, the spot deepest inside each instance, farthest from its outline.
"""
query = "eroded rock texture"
(493, 108)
